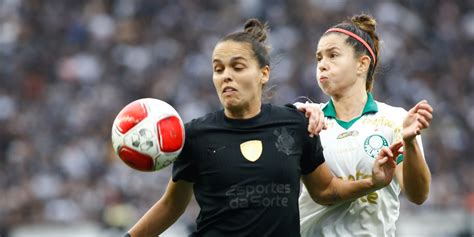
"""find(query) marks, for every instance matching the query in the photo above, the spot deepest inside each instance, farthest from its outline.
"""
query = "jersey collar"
(370, 107)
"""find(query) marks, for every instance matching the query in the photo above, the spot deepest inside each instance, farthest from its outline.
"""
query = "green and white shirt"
(350, 149)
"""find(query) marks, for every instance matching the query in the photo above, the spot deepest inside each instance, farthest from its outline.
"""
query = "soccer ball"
(148, 134)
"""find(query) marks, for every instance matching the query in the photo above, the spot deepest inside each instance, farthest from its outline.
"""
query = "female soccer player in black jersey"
(244, 163)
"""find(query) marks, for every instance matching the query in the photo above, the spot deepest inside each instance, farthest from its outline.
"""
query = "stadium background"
(68, 67)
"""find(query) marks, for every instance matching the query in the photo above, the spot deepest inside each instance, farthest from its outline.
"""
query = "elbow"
(418, 199)
(418, 194)
(418, 202)
(323, 202)
(324, 199)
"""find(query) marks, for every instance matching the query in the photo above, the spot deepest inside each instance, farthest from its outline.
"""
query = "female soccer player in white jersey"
(357, 128)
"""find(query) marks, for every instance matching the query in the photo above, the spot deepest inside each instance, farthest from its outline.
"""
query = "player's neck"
(243, 112)
(349, 106)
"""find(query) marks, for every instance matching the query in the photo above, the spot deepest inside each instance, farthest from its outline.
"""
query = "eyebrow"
(233, 59)
(328, 49)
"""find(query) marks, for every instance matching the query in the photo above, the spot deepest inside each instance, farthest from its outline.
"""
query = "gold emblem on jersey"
(251, 150)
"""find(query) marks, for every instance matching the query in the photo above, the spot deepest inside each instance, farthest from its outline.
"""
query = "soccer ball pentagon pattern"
(148, 134)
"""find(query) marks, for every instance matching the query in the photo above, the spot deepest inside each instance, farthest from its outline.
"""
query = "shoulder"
(287, 111)
(391, 111)
(287, 117)
(202, 122)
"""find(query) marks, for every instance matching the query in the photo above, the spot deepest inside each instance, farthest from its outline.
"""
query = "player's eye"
(239, 67)
(218, 69)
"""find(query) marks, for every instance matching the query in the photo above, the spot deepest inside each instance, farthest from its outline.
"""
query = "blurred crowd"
(68, 67)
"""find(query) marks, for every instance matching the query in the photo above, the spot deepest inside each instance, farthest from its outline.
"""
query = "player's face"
(237, 76)
(336, 69)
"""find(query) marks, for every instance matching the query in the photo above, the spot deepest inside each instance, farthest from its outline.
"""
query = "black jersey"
(246, 173)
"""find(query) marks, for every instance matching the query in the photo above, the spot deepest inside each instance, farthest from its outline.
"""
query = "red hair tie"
(351, 34)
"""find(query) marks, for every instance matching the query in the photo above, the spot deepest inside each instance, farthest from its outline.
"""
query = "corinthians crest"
(285, 141)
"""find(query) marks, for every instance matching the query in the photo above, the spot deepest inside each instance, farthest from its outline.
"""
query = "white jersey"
(350, 149)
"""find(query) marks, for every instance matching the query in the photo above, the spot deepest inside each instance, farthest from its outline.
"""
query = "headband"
(358, 38)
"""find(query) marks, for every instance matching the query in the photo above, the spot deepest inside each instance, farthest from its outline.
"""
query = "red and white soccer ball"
(148, 134)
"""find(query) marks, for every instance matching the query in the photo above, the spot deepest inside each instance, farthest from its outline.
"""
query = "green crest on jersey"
(373, 144)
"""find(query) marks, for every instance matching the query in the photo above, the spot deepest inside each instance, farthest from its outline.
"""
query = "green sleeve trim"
(399, 159)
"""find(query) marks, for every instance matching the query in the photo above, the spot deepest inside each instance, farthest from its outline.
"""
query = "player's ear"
(363, 64)
(265, 74)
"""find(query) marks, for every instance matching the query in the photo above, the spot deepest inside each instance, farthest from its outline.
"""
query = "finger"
(426, 106)
(413, 109)
(426, 114)
(387, 152)
(424, 124)
(422, 102)
(417, 106)
(310, 129)
(300, 106)
(396, 153)
(393, 162)
(382, 160)
(320, 123)
(396, 146)
(323, 120)
(396, 149)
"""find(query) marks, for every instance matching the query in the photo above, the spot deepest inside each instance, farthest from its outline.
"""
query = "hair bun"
(365, 22)
(256, 28)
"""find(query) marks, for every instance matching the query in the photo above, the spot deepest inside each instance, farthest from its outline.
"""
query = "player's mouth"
(323, 78)
(228, 90)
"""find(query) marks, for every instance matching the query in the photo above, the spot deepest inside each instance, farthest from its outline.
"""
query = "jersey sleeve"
(312, 154)
(398, 134)
(184, 167)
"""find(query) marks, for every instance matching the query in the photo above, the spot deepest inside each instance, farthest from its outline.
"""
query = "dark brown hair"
(363, 25)
(255, 33)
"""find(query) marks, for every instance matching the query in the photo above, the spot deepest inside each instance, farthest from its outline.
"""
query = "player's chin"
(231, 103)
(325, 87)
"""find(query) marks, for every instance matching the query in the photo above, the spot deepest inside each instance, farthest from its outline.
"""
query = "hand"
(418, 118)
(316, 121)
(385, 164)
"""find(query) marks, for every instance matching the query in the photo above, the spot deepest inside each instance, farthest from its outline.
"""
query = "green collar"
(370, 107)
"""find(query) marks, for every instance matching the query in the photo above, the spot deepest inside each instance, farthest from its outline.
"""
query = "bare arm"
(324, 188)
(165, 212)
(414, 175)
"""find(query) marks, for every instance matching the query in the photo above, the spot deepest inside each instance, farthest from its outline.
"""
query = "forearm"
(416, 174)
(165, 212)
(156, 220)
(340, 190)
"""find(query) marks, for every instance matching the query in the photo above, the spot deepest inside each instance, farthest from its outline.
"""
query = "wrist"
(409, 141)
(372, 184)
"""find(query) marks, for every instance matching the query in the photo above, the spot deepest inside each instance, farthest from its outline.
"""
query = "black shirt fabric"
(246, 173)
